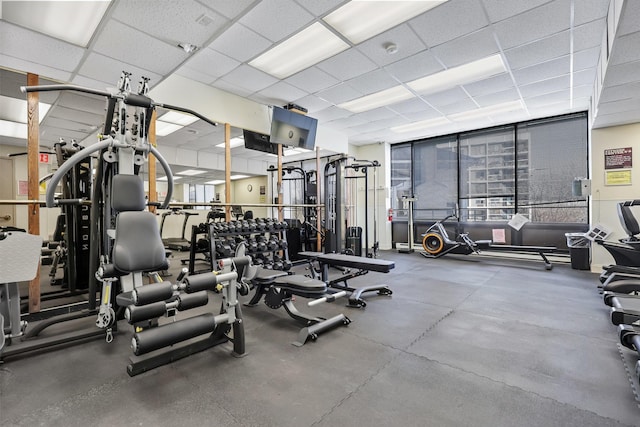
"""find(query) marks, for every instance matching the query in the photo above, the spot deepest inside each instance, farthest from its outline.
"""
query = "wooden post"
(227, 170)
(279, 184)
(33, 190)
(153, 193)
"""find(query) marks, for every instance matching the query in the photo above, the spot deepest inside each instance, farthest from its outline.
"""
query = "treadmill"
(177, 243)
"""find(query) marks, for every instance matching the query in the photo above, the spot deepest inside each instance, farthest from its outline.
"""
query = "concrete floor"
(463, 341)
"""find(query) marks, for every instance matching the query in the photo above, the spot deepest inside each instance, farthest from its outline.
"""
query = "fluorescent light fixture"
(215, 182)
(13, 129)
(191, 172)
(310, 46)
(460, 75)
(165, 128)
(239, 176)
(295, 150)
(71, 21)
(491, 110)
(378, 99)
(178, 118)
(423, 124)
(361, 20)
(164, 178)
(15, 110)
(234, 142)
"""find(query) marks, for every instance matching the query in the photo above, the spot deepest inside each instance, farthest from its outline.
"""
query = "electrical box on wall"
(581, 187)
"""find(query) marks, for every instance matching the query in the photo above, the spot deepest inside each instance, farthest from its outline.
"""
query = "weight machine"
(341, 178)
(122, 149)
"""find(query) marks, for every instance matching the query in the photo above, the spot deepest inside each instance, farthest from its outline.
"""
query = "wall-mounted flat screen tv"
(259, 141)
(293, 129)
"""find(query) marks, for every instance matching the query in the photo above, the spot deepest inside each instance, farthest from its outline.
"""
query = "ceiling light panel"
(239, 176)
(178, 118)
(234, 142)
(191, 172)
(13, 129)
(15, 110)
(310, 46)
(71, 21)
(378, 99)
(463, 74)
(361, 20)
(216, 182)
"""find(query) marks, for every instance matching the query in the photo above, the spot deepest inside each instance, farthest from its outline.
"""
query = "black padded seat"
(625, 309)
(298, 283)
(351, 261)
(138, 246)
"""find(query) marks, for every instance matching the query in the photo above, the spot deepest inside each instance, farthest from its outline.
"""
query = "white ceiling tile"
(195, 75)
(33, 47)
(626, 49)
(545, 86)
(498, 97)
(240, 43)
(538, 51)
(474, 46)
(81, 128)
(605, 120)
(231, 88)
(546, 70)
(77, 116)
(289, 16)
(339, 93)
(584, 77)
(103, 68)
(52, 133)
(373, 81)
(346, 122)
(498, 83)
(312, 80)
(449, 21)
(629, 18)
(312, 103)
(347, 65)
(446, 97)
(407, 42)
(331, 113)
(549, 98)
(281, 93)
(416, 105)
(171, 21)
(75, 100)
(587, 58)
(249, 78)
(549, 19)
(32, 67)
(416, 66)
(458, 107)
(500, 9)
(377, 114)
(588, 35)
(81, 80)
(321, 7)
(590, 10)
(622, 74)
(211, 62)
(125, 44)
(583, 91)
(615, 93)
(621, 106)
(230, 9)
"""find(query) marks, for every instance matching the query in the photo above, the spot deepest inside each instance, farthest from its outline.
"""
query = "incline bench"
(347, 263)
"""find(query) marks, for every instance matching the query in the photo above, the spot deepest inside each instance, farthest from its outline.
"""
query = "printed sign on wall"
(617, 158)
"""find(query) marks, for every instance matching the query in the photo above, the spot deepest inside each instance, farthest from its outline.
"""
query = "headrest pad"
(127, 193)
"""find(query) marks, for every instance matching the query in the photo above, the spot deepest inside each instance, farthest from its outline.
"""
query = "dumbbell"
(203, 244)
(252, 245)
(262, 244)
(286, 265)
(277, 263)
(283, 244)
(223, 249)
(231, 227)
(232, 243)
(268, 224)
(255, 260)
(260, 224)
(272, 243)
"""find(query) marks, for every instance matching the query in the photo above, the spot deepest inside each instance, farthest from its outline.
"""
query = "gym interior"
(319, 213)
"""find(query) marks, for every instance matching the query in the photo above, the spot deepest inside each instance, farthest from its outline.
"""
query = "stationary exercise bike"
(436, 243)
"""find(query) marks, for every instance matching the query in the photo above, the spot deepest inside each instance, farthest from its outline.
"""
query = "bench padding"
(351, 261)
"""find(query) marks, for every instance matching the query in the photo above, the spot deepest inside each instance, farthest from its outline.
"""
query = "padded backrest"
(628, 220)
(127, 193)
(138, 246)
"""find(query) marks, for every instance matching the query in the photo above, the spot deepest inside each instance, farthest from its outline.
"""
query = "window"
(492, 174)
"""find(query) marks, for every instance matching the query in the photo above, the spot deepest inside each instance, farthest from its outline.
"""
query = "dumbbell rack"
(266, 242)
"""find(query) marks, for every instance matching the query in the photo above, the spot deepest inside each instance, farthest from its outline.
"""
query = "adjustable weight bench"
(279, 288)
(346, 263)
